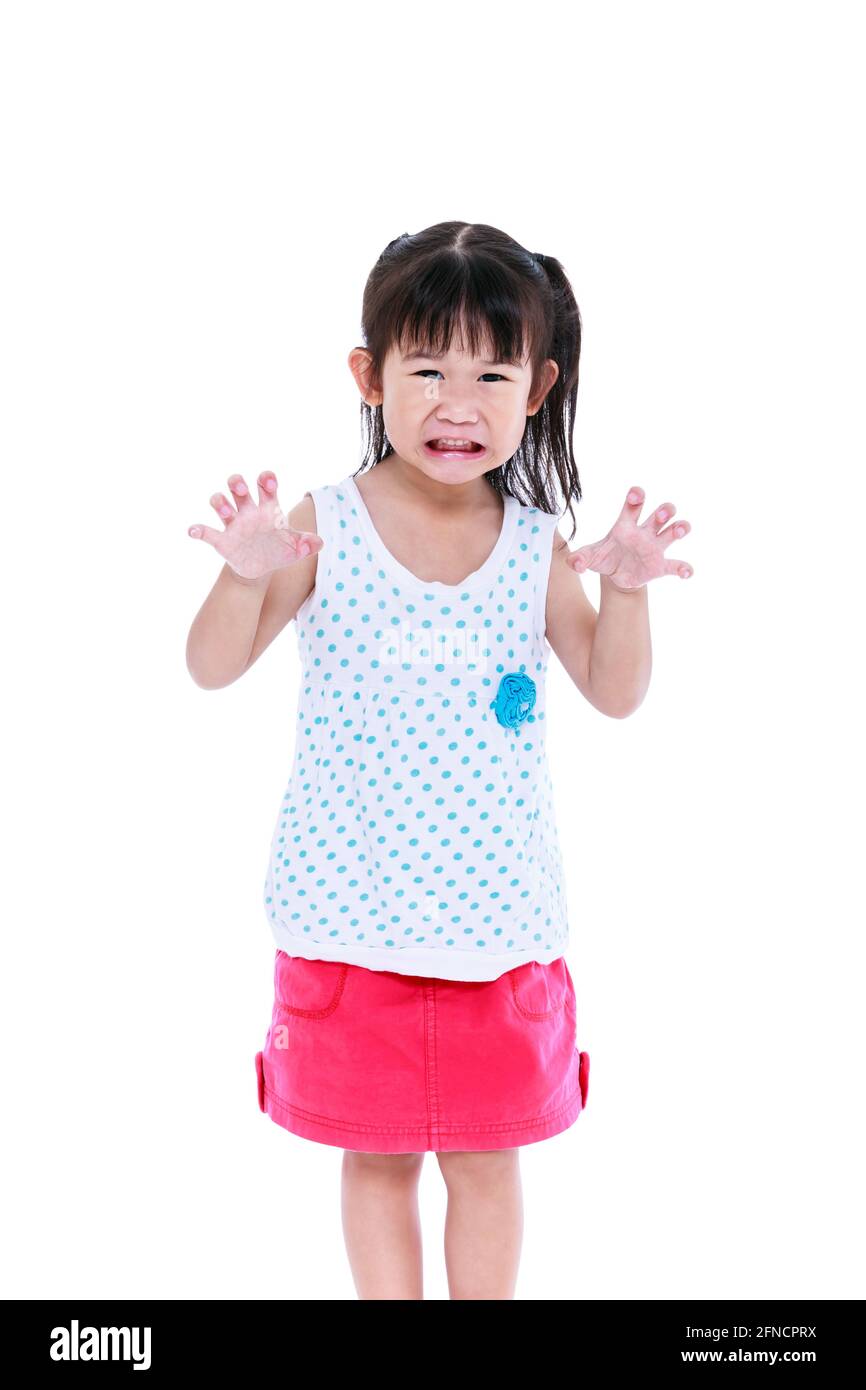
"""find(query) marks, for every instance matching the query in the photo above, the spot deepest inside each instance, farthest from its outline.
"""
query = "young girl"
(415, 884)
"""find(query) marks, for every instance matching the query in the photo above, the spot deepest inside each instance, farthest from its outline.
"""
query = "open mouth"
(443, 446)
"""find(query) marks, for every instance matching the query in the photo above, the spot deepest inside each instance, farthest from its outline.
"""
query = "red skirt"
(381, 1062)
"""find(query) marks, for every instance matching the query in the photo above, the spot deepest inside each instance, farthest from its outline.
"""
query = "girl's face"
(429, 401)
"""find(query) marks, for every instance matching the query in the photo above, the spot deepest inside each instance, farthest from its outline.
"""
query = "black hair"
(426, 285)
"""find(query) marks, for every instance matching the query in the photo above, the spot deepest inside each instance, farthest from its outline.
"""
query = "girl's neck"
(405, 482)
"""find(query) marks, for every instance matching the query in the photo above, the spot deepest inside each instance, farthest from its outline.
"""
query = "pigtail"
(551, 429)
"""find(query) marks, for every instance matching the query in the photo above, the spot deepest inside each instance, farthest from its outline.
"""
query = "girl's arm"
(620, 661)
(606, 653)
(241, 617)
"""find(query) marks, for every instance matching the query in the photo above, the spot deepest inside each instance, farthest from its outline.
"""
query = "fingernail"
(633, 497)
(681, 530)
(241, 488)
(195, 531)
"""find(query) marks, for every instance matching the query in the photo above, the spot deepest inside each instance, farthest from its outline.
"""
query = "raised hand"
(257, 538)
(632, 553)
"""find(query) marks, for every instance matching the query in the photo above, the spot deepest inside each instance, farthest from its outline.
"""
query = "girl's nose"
(456, 403)
(457, 410)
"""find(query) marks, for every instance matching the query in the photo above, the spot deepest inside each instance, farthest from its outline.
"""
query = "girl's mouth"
(445, 448)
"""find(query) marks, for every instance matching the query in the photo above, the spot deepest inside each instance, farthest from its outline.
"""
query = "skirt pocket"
(539, 991)
(308, 988)
(544, 994)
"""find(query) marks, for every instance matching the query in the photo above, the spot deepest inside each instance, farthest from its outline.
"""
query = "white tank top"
(417, 832)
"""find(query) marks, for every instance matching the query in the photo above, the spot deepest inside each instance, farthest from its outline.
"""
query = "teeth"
(453, 443)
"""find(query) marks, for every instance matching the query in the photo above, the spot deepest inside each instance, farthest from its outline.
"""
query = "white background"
(194, 195)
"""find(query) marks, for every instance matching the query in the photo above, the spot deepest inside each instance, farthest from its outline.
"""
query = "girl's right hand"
(257, 538)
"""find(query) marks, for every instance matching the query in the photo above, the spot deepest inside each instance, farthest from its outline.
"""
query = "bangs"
(478, 308)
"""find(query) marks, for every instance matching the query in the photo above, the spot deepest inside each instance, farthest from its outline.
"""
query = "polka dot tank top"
(417, 832)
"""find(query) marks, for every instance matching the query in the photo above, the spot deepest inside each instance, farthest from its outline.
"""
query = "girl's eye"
(426, 370)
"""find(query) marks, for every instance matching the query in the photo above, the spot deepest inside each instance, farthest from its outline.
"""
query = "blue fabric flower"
(514, 699)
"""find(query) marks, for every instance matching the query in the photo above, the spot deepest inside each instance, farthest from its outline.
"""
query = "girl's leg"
(381, 1223)
(484, 1222)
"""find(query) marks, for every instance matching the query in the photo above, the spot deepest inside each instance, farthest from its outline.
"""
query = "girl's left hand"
(631, 553)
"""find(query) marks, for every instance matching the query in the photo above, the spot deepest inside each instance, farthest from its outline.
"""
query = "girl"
(414, 886)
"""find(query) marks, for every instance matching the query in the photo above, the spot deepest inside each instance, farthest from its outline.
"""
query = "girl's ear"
(551, 372)
(361, 367)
